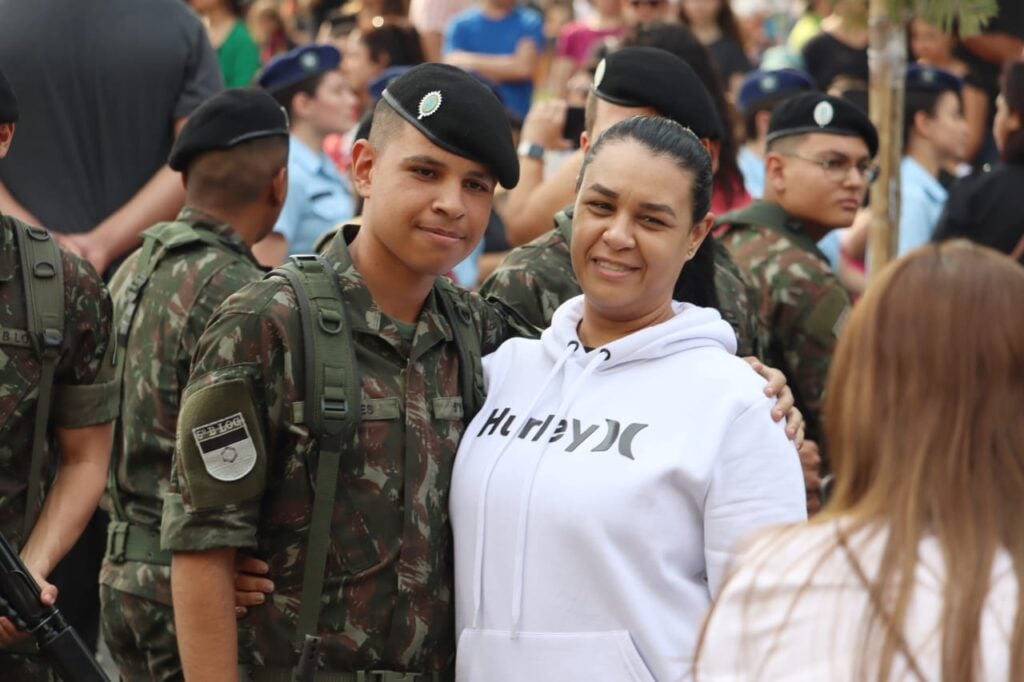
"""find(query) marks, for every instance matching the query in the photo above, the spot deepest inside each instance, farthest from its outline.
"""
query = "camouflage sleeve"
(534, 280)
(231, 412)
(85, 393)
(736, 305)
(497, 322)
(809, 318)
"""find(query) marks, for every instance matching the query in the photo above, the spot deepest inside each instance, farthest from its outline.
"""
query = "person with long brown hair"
(912, 572)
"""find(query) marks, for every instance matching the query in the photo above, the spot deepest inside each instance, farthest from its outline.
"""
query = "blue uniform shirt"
(752, 167)
(318, 198)
(921, 201)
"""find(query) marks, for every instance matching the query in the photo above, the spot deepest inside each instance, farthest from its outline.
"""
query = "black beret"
(650, 77)
(458, 113)
(298, 64)
(761, 86)
(930, 79)
(8, 102)
(226, 119)
(814, 112)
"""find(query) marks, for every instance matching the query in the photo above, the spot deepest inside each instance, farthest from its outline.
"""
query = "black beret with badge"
(459, 114)
(650, 77)
(931, 79)
(770, 86)
(225, 120)
(8, 102)
(298, 64)
(814, 112)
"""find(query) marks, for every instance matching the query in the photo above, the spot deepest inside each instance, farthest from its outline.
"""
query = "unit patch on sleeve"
(226, 447)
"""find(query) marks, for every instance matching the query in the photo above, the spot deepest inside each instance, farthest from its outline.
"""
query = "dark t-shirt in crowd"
(99, 86)
(826, 58)
(729, 58)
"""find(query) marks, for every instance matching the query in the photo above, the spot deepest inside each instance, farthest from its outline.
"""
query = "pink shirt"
(576, 40)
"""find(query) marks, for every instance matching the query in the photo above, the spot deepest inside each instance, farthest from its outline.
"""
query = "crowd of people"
(365, 341)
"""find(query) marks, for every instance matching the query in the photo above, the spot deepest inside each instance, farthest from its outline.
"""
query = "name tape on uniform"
(226, 447)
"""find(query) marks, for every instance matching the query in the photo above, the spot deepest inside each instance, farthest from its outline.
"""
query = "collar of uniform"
(309, 160)
(771, 215)
(563, 223)
(913, 174)
(227, 234)
(373, 320)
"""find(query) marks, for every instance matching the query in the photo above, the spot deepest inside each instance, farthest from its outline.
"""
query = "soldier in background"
(55, 392)
(233, 153)
(817, 168)
(344, 491)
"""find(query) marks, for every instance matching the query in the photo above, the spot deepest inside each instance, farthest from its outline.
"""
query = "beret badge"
(823, 114)
(430, 103)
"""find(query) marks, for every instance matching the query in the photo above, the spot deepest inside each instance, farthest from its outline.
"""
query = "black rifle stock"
(58, 641)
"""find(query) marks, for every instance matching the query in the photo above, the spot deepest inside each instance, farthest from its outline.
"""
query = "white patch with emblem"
(823, 114)
(226, 447)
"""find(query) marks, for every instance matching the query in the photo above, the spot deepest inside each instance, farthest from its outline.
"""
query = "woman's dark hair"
(680, 41)
(725, 19)
(1013, 95)
(664, 137)
(285, 95)
(398, 44)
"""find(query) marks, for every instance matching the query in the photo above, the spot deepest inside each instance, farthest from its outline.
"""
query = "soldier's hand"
(9, 633)
(810, 462)
(785, 403)
(251, 587)
(544, 124)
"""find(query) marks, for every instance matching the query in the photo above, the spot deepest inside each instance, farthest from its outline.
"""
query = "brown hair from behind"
(229, 179)
(923, 419)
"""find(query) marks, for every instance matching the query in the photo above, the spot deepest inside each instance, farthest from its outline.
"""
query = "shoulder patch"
(226, 447)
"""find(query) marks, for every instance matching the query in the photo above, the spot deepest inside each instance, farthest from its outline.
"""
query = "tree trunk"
(887, 58)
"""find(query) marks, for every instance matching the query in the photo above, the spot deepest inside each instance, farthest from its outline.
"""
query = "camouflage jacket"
(82, 395)
(800, 301)
(388, 590)
(172, 311)
(536, 278)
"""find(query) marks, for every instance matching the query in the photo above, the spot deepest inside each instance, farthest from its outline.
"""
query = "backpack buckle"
(117, 540)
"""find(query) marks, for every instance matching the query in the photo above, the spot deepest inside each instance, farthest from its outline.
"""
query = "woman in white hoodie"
(600, 493)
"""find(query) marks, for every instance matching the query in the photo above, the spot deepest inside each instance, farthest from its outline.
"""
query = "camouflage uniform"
(799, 298)
(387, 602)
(173, 309)
(536, 278)
(82, 395)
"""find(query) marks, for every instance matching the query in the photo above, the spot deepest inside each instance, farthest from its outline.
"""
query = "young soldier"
(233, 153)
(760, 93)
(55, 321)
(817, 168)
(935, 138)
(325, 406)
(306, 81)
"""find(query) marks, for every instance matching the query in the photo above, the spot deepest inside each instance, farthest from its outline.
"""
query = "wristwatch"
(530, 150)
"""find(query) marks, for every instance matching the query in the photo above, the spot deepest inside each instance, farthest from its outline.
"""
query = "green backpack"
(333, 398)
(42, 271)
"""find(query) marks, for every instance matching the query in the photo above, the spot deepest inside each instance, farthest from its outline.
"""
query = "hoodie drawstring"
(524, 505)
(478, 560)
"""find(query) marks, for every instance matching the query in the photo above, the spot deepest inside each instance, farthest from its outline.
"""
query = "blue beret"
(761, 86)
(815, 112)
(459, 114)
(650, 77)
(229, 118)
(298, 64)
(931, 79)
(8, 102)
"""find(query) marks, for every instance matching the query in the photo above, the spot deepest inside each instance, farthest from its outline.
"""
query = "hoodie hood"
(690, 327)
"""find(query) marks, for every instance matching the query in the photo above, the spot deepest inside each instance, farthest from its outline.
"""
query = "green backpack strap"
(331, 409)
(42, 270)
(467, 341)
(157, 242)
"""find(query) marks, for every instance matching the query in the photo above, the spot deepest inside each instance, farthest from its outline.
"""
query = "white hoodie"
(597, 499)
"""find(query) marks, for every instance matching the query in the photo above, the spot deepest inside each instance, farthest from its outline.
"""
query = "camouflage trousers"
(19, 668)
(140, 635)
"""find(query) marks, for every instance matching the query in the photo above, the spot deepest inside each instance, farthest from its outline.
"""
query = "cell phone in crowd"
(573, 125)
